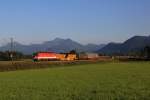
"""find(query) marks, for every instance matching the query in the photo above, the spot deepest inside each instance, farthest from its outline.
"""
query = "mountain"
(56, 45)
(110, 48)
(93, 47)
(63, 45)
(135, 43)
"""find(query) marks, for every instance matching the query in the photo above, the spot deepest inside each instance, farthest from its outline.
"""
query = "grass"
(100, 81)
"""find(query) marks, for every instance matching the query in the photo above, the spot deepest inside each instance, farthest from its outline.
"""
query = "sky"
(85, 21)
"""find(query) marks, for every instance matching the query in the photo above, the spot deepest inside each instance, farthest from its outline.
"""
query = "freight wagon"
(88, 56)
(66, 57)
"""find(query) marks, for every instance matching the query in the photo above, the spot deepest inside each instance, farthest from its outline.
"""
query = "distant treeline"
(142, 53)
(15, 55)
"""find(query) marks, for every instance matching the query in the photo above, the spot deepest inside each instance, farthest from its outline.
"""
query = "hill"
(135, 43)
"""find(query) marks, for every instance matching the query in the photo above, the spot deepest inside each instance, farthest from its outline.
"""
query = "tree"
(5, 56)
(147, 51)
(73, 52)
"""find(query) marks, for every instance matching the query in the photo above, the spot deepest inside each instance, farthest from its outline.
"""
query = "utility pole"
(11, 49)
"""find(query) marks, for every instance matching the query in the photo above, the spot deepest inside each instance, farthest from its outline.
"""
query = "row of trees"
(7, 55)
(143, 53)
(139, 53)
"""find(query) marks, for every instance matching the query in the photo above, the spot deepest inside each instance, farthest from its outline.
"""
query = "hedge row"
(22, 65)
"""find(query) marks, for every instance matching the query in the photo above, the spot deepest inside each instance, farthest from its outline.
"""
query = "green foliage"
(146, 52)
(73, 52)
(101, 81)
(6, 56)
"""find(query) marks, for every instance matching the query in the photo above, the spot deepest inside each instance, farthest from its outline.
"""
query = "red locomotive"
(45, 56)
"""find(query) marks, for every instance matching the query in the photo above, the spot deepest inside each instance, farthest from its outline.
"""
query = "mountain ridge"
(55, 45)
(135, 43)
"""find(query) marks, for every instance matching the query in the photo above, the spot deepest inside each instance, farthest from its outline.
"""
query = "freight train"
(51, 56)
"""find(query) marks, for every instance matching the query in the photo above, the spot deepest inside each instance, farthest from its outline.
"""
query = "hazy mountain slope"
(135, 43)
(56, 45)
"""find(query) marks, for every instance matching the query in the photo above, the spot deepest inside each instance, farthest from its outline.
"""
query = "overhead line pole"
(11, 49)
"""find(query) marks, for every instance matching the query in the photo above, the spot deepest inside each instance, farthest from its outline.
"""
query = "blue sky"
(85, 21)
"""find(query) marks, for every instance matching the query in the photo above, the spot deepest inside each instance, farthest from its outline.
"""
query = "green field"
(101, 81)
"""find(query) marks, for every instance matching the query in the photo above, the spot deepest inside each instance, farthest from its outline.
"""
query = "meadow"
(99, 81)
